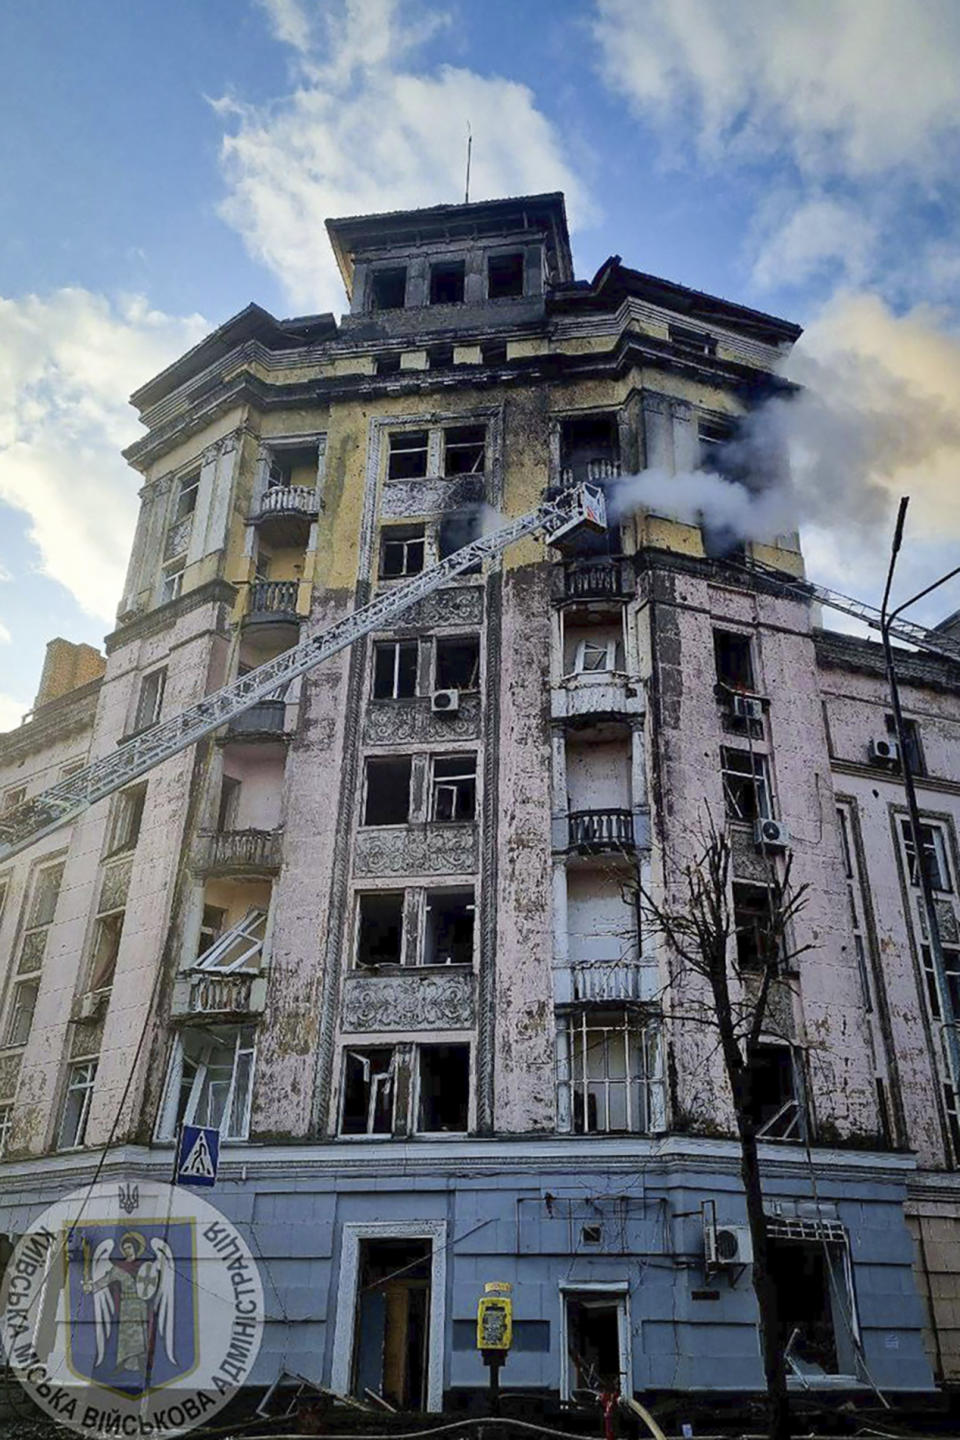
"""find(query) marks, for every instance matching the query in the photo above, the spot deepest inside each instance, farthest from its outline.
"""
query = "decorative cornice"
(849, 652)
(55, 720)
(162, 617)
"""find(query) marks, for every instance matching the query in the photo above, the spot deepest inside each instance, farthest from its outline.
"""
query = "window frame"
(170, 1117)
(29, 971)
(471, 906)
(371, 761)
(500, 257)
(362, 1052)
(126, 817)
(939, 849)
(419, 1051)
(83, 1114)
(379, 273)
(188, 488)
(159, 674)
(441, 782)
(574, 1082)
(380, 646)
(444, 270)
(441, 683)
(375, 966)
(757, 781)
(396, 449)
(720, 635)
(417, 536)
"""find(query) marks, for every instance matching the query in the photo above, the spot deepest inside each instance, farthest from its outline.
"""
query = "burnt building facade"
(384, 930)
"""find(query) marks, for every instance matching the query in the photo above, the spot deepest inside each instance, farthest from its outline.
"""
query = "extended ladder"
(905, 630)
(43, 813)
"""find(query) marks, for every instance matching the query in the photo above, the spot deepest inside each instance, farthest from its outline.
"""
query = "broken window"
(454, 794)
(933, 845)
(22, 1006)
(293, 465)
(770, 1095)
(106, 947)
(720, 541)
(493, 352)
(465, 450)
(446, 282)
(401, 551)
(504, 276)
(229, 805)
(458, 528)
(233, 950)
(388, 791)
(127, 818)
(814, 1303)
(733, 660)
(610, 1072)
(172, 582)
(393, 1322)
(754, 925)
(76, 1105)
(380, 929)
(439, 357)
(388, 288)
(211, 1080)
(443, 1074)
(389, 364)
(951, 966)
(394, 669)
(448, 935)
(408, 455)
(458, 663)
(594, 656)
(187, 497)
(589, 449)
(746, 784)
(368, 1091)
(150, 699)
(698, 342)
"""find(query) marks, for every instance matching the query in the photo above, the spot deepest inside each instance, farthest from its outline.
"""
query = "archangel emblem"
(132, 1311)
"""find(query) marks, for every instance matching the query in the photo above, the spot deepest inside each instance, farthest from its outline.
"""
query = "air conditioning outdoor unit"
(771, 835)
(747, 707)
(91, 1004)
(726, 1245)
(445, 702)
(884, 750)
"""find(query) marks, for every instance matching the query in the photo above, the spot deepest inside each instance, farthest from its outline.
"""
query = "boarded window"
(458, 663)
(444, 1088)
(401, 551)
(368, 1091)
(454, 795)
(394, 669)
(388, 791)
(380, 929)
(448, 934)
(505, 276)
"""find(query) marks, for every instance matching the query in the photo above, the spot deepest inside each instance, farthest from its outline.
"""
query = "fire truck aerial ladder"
(579, 508)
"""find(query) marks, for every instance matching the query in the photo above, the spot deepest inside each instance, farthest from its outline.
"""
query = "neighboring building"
(389, 942)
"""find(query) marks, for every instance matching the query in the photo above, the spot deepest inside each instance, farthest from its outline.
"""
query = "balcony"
(238, 852)
(286, 513)
(272, 620)
(592, 831)
(594, 580)
(596, 695)
(612, 980)
(590, 472)
(265, 720)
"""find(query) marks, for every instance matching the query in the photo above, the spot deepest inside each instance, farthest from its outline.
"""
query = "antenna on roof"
(466, 193)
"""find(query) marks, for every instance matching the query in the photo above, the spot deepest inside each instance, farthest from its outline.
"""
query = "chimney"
(66, 668)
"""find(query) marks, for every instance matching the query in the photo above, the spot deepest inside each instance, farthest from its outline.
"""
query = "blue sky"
(165, 164)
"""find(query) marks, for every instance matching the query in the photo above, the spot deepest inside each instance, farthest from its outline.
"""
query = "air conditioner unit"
(884, 750)
(726, 1245)
(91, 1005)
(445, 702)
(771, 835)
(747, 707)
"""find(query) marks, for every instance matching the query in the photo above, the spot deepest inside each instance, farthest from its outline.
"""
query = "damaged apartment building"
(383, 928)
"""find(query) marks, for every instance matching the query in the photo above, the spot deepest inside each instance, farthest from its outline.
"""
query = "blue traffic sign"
(198, 1156)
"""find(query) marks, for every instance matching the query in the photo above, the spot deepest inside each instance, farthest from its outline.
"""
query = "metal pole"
(948, 1022)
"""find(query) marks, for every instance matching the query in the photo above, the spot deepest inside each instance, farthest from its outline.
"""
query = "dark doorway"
(593, 1342)
(393, 1322)
(800, 1271)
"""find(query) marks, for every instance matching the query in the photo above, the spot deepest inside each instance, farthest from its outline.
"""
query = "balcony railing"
(267, 717)
(601, 830)
(273, 597)
(238, 851)
(608, 980)
(591, 471)
(594, 580)
(290, 500)
(221, 994)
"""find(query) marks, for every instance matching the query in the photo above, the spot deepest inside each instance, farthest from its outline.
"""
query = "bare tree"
(698, 925)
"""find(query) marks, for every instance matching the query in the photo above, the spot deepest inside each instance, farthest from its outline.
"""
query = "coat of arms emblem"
(132, 1304)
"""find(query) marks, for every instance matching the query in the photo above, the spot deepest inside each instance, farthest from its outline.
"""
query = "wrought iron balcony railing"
(591, 830)
(273, 597)
(238, 851)
(267, 717)
(594, 580)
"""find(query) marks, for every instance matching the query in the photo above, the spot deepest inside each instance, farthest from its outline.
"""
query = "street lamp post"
(934, 938)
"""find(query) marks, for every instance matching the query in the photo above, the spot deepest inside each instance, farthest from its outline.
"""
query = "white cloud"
(12, 712)
(68, 361)
(842, 87)
(360, 134)
(817, 235)
(5, 637)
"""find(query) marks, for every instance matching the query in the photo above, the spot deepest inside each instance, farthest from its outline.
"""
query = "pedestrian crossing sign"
(198, 1155)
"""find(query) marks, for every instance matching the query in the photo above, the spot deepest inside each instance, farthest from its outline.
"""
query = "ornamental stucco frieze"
(115, 885)
(429, 497)
(9, 1073)
(454, 605)
(440, 1000)
(394, 722)
(417, 850)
